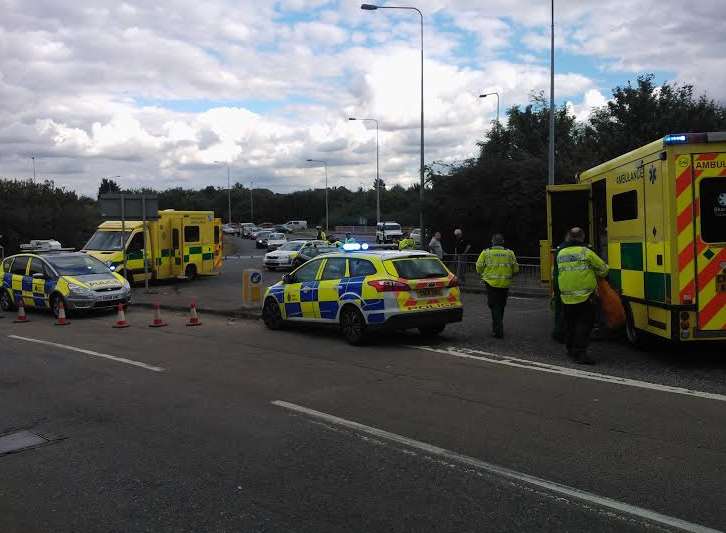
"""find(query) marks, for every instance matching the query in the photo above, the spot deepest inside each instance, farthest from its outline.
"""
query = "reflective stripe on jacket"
(577, 268)
(497, 265)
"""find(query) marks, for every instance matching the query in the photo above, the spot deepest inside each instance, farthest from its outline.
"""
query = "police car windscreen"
(291, 246)
(713, 209)
(106, 240)
(77, 265)
(420, 268)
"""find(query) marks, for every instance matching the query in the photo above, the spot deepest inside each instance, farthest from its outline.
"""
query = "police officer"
(578, 268)
(406, 242)
(321, 234)
(497, 265)
(349, 238)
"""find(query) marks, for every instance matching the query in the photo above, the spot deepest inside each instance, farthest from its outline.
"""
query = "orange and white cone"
(62, 320)
(193, 318)
(157, 322)
(22, 317)
(121, 319)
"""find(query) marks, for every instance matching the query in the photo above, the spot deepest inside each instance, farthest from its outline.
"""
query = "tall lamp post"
(33, 158)
(378, 176)
(252, 205)
(229, 192)
(490, 94)
(372, 7)
(551, 174)
(325, 164)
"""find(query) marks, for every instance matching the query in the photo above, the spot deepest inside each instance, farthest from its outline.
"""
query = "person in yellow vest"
(497, 265)
(406, 243)
(578, 268)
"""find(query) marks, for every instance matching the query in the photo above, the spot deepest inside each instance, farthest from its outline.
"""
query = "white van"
(297, 224)
(388, 232)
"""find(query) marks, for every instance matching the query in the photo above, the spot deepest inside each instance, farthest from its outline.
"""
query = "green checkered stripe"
(198, 253)
(656, 285)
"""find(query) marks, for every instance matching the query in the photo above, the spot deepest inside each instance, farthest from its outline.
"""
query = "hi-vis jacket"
(406, 243)
(497, 265)
(577, 267)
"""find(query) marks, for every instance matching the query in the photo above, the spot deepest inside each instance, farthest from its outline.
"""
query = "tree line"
(502, 189)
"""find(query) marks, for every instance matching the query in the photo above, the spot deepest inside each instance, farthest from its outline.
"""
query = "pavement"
(230, 427)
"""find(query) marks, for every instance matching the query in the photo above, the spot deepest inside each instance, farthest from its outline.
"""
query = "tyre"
(271, 314)
(635, 336)
(352, 325)
(191, 272)
(431, 331)
(6, 301)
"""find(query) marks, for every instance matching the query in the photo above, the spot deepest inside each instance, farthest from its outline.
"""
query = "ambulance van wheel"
(6, 301)
(635, 337)
(191, 272)
(353, 325)
(271, 314)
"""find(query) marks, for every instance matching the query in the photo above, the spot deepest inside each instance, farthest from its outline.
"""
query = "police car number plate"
(108, 297)
(427, 293)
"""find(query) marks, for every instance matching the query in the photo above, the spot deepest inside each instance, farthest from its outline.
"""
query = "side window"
(136, 244)
(36, 266)
(7, 264)
(625, 206)
(361, 267)
(19, 265)
(334, 268)
(191, 233)
(308, 271)
(216, 234)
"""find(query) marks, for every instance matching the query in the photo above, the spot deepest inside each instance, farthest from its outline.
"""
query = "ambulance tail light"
(453, 281)
(685, 324)
(388, 285)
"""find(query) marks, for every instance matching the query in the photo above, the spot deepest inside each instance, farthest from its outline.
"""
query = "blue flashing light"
(364, 246)
(351, 246)
(675, 139)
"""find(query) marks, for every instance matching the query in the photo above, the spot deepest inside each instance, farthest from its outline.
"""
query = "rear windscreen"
(713, 209)
(420, 268)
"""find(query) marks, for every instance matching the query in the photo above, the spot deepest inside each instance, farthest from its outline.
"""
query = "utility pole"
(551, 174)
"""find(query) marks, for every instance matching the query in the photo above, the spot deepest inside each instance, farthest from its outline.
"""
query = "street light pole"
(252, 205)
(33, 158)
(325, 165)
(229, 192)
(372, 7)
(490, 94)
(551, 174)
(378, 176)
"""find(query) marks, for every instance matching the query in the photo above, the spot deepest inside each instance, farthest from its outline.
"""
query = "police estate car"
(45, 279)
(365, 290)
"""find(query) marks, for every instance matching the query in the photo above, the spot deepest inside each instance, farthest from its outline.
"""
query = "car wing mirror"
(288, 278)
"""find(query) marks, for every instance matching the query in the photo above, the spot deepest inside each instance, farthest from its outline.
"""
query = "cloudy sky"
(159, 92)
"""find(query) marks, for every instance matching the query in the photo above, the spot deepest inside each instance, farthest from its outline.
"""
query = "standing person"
(578, 268)
(461, 248)
(321, 234)
(497, 265)
(435, 245)
(406, 242)
(349, 238)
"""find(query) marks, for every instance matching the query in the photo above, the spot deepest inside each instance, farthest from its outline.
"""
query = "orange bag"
(612, 306)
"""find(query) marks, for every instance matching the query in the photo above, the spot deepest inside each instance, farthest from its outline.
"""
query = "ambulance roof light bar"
(355, 246)
(694, 138)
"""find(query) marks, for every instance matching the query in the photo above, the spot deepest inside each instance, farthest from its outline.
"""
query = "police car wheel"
(431, 331)
(271, 314)
(6, 301)
(55, 301)
(353, 325)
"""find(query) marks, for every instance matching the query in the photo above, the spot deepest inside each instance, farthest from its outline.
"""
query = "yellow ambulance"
(657, 215)
(180, 244)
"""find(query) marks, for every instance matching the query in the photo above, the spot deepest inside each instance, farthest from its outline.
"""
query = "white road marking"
(521, 298)
(90, 352)
(506, 360)
(551, 486)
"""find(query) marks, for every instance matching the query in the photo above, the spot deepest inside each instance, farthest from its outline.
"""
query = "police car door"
(20, 282)
(39, 277)
(334, 270)
(302, 293)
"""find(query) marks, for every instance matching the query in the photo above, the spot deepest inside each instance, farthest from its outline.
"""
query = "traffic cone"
(193, 318)
(121, 318)
(157, 322)
(62, 320)
(22, 317)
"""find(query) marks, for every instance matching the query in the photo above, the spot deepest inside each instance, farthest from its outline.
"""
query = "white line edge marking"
(501, 471)
(489, 357)
(91, 352)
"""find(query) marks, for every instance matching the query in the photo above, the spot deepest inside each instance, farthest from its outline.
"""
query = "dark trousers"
(579, 319)
(497, 301)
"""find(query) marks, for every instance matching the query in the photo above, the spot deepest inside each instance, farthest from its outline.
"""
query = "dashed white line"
(506, 360)
(551, 486)
(90, 352)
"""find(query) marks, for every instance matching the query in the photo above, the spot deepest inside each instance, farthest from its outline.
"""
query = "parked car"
(275, 240)
(297, 224)
(388, 232)
(246, 227)
(284, 255)
(282, 228)
(306, 253)
(267, 225)
(255, 232)
(416, 235)
(230, 229)
(261, 239)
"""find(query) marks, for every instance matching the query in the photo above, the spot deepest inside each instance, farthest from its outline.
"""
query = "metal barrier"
(465, 268)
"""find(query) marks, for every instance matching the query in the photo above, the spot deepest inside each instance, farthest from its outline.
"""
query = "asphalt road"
(230, 427)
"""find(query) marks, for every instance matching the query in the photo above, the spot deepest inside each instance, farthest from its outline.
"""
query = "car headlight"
(111, 266)
(78, 289)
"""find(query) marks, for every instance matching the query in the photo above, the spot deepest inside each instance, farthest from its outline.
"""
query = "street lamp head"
(368, 7)
(309, 160)
(352, 118)
(483, 95)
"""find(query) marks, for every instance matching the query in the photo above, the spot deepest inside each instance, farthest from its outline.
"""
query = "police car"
(44, 277)
(285, 255)
(367, 290)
